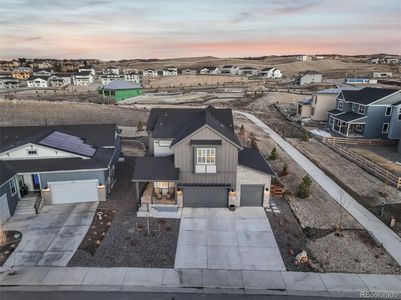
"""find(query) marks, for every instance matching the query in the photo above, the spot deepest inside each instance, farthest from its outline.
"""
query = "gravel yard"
(310, 224)
(126, 243)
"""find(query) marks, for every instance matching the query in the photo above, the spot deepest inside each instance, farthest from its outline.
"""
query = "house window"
(331, 120)
(361, 110)
(164, 143)
(389, 109)
(359, 127)
(340, 105)
(399, 115)
(32, 152)
(205, 160)
(385, 127)
(13, 188)
(353, 107)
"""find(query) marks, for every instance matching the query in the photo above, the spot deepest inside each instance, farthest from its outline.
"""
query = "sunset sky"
(124, 29)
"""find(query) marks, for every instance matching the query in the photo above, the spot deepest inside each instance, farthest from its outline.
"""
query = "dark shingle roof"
(151, 168)
(366, 95)
(179, 123)
(38, 77)
(253, 159)
(334, 112)
(349, 116)
(6, 172)
(100, 135)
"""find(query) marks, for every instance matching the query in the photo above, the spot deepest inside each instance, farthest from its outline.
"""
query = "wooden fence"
(355, 141)
(374, 169)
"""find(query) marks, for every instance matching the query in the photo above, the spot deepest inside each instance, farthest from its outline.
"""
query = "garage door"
(74, 191)
(251, 195)
(205, 197)
(4, 209)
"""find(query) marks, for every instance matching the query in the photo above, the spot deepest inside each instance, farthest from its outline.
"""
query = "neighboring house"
(22, 73)
(38, 81)
(69, 67)
(391, 61)
(9, 65)
(88, 68)
(364, 113)
(209, 70)
(111, 70)
(394, 131)
(60, 79)
(324, 101)
(61, 164)
(188, 72)
(82, 78)
(9, 83)
(382, 74)
(271, 73)
(108, 78)
(170, 71)
(304, 58)
(119, 90)
(229, 69)
(248, 71)
(309, 77)
(45, 72)
(359, 80)
(196, 160)
(304, 108)
(132, 77)
(149, 73)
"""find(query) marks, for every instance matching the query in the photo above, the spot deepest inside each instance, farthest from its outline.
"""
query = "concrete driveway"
(52, 237)
(216, 238)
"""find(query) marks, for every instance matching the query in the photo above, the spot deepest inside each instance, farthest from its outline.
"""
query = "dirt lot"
(348, 249)
(18, 113)
(363, 186)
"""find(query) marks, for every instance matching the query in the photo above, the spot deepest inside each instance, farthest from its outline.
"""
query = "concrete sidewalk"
(199, 281)
(390, 240)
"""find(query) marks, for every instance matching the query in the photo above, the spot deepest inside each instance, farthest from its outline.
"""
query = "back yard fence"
(369, 166)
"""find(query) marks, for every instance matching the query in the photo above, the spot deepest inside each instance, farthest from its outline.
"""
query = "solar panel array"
(70, 143)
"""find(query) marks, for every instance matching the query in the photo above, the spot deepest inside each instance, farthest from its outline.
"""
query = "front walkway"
(52, 237)
(391, 242)
(216, 238)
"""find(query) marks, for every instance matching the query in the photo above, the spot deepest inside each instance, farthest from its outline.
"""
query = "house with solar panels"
(49, 165)
(119, 90)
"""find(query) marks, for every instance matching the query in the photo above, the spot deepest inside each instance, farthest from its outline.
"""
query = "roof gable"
(366, 95)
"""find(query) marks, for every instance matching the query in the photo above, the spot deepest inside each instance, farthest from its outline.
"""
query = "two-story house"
(55, 165)
(271, 73)
(170, 71)
(38, 81)
(364, 113)
(196, 160)
(82, 78)
(394, 131)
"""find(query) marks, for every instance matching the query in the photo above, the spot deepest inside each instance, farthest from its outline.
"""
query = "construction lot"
(333, 239)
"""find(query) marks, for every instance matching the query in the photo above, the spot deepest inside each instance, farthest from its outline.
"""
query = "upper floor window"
(32, 152)
(340, 105)
(389, 109)
(205, 160)
(361, 109)
(385, 127)
(13, 188)
(399, 114)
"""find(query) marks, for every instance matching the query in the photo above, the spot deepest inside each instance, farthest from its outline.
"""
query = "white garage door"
(4, 209)
(74, 191)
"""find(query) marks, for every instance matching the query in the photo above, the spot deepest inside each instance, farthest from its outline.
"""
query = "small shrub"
(306, 137)
(273, 154)
(304, 187)
(139, 126)
(242, 129)
(284, 171)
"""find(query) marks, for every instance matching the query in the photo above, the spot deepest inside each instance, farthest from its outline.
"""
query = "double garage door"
(205, 196)
(74, 191)
(252, 194)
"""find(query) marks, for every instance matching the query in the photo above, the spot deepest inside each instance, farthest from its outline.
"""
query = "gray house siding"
(226, 160)
(117, 151)
(374, 123)
(45, 178)
(12, 200)
(395, 124)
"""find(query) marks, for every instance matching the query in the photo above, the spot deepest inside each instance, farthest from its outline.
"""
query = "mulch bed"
(8, 244)
(97, 230)
(128, 242)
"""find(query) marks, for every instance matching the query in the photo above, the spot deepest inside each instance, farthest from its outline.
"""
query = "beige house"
(304, 108)
(322, 102)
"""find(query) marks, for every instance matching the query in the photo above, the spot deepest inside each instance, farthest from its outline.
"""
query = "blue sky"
(178, 28)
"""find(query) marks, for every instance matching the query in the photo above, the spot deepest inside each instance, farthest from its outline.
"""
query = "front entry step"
(160, 211)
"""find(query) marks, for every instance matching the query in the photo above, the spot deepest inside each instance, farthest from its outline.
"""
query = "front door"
(36, 182)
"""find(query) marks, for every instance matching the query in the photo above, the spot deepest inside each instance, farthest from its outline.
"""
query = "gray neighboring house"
(308, 77)
(196, 160)
(56, 164)
(365, 113)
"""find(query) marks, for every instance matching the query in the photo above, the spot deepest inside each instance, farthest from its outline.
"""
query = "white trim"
(391, 111)
(5, 182)
(61, 171)
(15, 186)
(388, 127)
(384, 97)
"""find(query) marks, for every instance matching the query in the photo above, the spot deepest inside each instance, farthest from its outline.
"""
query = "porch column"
(137, 191)
(347, 129)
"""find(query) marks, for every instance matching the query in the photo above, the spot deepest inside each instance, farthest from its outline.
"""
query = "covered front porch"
(348, 124)
(159, 192)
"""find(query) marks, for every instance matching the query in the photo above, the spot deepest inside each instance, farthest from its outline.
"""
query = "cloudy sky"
(121, 29)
